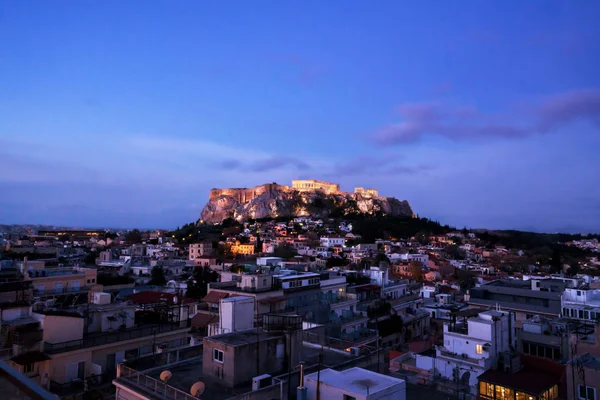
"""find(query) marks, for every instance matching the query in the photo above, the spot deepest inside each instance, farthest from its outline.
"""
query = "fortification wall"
(245, 195)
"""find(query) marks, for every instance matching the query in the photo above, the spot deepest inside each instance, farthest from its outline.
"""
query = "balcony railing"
(56, 292)
(463, 329)
(161, 389)
(113, 337)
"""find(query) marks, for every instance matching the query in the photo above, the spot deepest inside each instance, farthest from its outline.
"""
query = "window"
(486, 390)
(218, 355)
(503, 393)
(479, 349)
(586, 393)
(28, 368)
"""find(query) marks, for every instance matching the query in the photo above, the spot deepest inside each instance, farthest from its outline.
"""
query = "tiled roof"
(214, 297)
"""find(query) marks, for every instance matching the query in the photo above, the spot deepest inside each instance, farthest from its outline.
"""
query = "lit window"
(479, 349)
(218, 355)
(486, 390)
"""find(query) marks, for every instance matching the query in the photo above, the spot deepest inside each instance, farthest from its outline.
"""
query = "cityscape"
(315, 200)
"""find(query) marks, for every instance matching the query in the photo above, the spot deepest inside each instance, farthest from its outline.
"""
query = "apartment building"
(473, 344)
(80, 347)
(54, 281)
(524, 298)
(581, 303)
(202, 249)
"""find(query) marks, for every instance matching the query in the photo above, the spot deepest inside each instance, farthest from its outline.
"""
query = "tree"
(134, 236)
(198, 283)
(573, 269)
(555, 261)
(336, 262)
(158, 277)
(381, 257)
(285, 252)
(416, 270)
(454, 252)
(466, 279)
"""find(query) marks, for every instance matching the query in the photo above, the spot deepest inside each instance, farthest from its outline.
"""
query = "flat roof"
(240, 338)
(356, 380)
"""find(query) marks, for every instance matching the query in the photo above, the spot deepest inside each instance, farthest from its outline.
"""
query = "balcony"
(464, 358)
(462, 329)
(101, 339)
(356, 318)
(58, 292)
(339, 301)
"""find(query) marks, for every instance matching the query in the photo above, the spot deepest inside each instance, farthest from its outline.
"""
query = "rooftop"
(356, 380)
(242, 338)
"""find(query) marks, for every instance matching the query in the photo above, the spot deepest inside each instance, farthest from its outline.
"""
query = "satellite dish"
(165, 376)
(197, 389)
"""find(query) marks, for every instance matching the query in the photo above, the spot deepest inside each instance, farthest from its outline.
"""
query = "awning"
(214, 297)
(202, 320)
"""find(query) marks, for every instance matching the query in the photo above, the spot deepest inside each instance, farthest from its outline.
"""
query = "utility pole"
(319, 374)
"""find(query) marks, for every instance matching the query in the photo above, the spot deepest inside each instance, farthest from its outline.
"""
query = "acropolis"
(245, 195)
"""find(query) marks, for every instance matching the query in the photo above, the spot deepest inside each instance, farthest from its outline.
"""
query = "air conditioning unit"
(261, 381)
(355, 351)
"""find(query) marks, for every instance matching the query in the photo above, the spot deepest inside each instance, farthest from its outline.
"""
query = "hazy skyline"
(125, 114)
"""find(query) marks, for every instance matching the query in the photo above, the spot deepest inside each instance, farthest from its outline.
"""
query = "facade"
(331, 241)
(202, 249)
(244, 249)
(274, 349)
(354, 384)
(56, 281)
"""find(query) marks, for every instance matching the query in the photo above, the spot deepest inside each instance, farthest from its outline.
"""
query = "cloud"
(467, 123)
(369, 165)
(266, 164)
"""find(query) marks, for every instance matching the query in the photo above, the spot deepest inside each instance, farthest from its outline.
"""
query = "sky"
(484, 114)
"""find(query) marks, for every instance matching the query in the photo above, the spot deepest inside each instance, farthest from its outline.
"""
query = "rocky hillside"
(291, 203)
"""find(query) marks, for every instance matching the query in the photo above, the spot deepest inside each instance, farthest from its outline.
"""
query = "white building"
(354, 383)
(330, 241)
(235, 314)
(581, 303)
(200, 249)
(421, 258)
(472, 345)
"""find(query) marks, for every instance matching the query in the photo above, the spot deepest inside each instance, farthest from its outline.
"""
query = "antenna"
(165, 376)
(197, 389)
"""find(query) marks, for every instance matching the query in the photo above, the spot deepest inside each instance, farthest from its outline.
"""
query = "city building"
(473, 343)
(582, 303)
(331, 241)
(235, 358)
(16, 386)
(353, 384)
(202, 249)
(524, 298)
(243, 249)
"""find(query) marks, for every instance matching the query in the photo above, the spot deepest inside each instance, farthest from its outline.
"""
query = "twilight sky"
(126, 113)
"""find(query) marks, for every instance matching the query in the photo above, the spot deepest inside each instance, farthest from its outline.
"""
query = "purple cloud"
(267, 164)
(383, 165)
(467, 123)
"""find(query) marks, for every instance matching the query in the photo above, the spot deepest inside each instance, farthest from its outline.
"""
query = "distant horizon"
(116, 114)
(92, 227)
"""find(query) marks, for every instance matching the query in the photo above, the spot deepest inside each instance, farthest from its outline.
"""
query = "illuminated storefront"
(494, 385)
